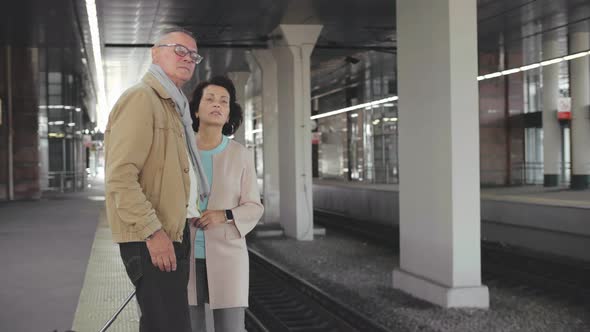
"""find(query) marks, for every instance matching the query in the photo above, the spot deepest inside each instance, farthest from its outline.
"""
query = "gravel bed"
(360, 274)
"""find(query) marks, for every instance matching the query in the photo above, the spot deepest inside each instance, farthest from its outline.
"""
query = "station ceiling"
(227, 29)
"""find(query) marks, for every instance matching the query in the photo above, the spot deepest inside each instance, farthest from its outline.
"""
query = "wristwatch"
(229, 217)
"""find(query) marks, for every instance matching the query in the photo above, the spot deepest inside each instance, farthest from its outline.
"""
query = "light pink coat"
(234, 187)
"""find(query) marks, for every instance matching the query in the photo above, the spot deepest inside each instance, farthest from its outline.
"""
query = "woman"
(220, 272)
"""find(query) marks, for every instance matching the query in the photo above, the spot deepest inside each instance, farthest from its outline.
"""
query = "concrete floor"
(44, 248)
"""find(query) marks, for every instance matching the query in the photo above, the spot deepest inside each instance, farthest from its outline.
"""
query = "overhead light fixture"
(548, 62)
(529, 67)
(387, 101)
(492, 75)
(551, 62)
(510, 71)
(575, 56)
(56, 107)
(368, 105)
(96, 51)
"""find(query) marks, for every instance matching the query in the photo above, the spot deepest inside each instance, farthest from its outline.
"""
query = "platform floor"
(44, 250)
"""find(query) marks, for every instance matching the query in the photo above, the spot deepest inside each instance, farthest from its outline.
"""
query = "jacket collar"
(153, 82)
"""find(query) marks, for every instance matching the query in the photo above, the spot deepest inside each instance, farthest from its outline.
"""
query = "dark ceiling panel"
(36, 22)
(351, 28)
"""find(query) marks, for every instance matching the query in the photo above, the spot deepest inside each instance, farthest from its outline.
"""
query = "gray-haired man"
(151, 156)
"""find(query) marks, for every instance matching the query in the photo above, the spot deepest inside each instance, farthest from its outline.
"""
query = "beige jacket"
(234, 187)
(147, 181)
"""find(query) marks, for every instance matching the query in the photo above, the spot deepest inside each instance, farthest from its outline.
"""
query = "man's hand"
(211, 217)
(162, 251)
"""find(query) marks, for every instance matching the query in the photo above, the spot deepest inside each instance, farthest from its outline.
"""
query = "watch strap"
(229, 216)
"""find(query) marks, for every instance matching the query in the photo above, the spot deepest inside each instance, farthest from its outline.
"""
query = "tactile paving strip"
(106, 287)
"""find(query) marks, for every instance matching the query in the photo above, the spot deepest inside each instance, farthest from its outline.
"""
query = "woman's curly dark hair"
(235, 110)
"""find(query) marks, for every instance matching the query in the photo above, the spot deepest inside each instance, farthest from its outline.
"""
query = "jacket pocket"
(155, 187)
(231, 232)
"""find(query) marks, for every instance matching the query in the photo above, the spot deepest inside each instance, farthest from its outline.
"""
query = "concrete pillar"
(551, 127)
(240, 78)
(270, 134)
(580, 125)
(9, 120)
(439, 153)
(292, 54)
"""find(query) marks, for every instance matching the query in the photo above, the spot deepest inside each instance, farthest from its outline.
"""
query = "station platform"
(549, 196)
(65, 274)
(554, 220)
(45, 247)
(533, 194)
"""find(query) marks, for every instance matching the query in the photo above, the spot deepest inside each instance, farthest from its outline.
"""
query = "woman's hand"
(211, 217)
(193, 221)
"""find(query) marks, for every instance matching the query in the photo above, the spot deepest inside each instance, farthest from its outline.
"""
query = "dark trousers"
(161, 296)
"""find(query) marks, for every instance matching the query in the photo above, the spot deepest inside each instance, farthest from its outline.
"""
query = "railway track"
(280, 302)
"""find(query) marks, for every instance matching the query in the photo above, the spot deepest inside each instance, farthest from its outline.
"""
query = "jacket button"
(186, 170)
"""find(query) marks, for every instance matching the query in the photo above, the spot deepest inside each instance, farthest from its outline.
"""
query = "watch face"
(229, 215)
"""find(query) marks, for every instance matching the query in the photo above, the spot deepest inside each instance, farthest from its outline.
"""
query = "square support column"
(439, 153)
(270, 132)
(551, 128)
(292, 54)
(580, 93)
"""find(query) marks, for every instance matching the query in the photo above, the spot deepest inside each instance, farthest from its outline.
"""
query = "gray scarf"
(182, 107)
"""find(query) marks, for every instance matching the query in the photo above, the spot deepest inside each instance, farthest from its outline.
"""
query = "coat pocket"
(231, 232)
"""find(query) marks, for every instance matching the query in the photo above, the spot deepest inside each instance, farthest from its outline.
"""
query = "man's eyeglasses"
(182, 51)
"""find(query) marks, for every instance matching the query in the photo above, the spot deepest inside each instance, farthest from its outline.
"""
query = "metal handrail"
(532, 172)
(62, 177)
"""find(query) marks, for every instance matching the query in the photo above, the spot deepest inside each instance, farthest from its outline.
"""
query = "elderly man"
(153, 180)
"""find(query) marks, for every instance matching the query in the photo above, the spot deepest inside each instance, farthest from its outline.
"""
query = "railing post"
(61, 182)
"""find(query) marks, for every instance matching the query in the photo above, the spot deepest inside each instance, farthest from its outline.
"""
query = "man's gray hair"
(174, 29)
